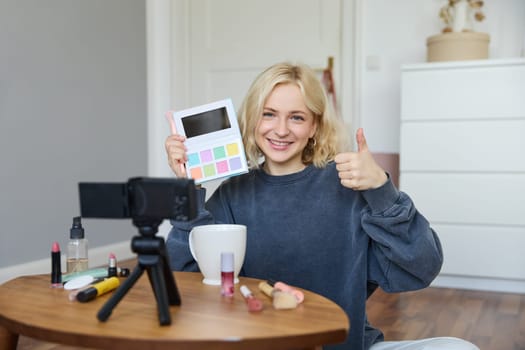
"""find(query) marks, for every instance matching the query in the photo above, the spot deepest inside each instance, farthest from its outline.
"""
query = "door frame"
(167, 36)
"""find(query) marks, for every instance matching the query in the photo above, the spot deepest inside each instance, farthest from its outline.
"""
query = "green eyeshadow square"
(219, 152)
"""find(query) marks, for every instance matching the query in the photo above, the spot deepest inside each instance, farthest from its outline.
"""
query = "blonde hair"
(330, 137)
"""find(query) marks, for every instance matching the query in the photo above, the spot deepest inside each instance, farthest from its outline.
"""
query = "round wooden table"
(204, 320)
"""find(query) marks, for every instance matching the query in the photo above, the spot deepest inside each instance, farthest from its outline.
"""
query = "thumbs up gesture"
(358, 170)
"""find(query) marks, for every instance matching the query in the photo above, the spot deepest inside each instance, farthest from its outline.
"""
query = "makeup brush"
(281, 300)
(286, 288)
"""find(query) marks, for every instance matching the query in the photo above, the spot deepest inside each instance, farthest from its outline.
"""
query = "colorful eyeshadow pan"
(233, 149)
(213, 141)
(214, 161)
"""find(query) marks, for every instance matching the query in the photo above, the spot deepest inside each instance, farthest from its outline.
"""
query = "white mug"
(207, 242)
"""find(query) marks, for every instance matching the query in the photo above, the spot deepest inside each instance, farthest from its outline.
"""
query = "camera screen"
(139, 198)
(206, 122)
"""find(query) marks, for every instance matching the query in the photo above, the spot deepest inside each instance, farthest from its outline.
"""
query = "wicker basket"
(458, 46)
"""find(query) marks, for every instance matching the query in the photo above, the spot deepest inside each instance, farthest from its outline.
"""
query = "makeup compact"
(79, 282)
(213, 141)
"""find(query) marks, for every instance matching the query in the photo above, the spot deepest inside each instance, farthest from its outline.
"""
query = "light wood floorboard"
(493, 321)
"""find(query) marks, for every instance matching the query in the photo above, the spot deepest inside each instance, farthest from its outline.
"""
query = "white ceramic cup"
(207, 242)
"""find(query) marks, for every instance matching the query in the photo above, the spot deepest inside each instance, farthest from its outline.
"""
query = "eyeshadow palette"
(213, 140)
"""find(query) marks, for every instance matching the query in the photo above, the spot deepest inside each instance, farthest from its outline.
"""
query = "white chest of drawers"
(462, 160)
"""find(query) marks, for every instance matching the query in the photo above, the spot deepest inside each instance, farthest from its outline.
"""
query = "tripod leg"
(171, 287)
(159, 257)
(167, 274)
(159, 286)
(152, 257)
(107, 308)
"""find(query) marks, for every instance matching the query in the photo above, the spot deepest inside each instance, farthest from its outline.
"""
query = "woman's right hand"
(176, 152)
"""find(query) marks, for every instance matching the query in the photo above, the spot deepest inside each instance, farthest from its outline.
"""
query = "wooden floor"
(493, 321)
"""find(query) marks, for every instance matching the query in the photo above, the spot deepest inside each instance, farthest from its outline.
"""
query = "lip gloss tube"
(227, 269)
(253, 303)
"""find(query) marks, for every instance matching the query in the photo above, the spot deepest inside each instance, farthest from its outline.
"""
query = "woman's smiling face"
(284, 129)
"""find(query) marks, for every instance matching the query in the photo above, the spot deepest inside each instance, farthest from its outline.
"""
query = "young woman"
(318, 216)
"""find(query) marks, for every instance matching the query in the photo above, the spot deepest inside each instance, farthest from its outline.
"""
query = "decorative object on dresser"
(458, 40)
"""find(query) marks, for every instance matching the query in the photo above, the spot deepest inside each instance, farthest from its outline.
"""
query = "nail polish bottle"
(77, 248)
(227, 268)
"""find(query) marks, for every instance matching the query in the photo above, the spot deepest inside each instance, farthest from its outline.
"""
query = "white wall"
(72, 109)
(394, 33)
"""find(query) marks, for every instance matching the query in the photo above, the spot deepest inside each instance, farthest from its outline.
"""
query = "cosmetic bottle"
(227, 269)
(77, 248)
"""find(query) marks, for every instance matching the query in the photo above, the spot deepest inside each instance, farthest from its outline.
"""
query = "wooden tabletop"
(205, 319)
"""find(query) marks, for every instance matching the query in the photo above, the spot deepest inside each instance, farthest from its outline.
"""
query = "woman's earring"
(313, 142)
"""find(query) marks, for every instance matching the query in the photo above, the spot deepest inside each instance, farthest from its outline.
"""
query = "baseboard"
(480, 283)
(97, 257)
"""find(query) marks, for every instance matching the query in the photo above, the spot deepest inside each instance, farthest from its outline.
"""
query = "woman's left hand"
(358, 170)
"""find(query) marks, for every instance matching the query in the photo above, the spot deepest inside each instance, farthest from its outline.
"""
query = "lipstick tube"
(112, 265)
(56, 270)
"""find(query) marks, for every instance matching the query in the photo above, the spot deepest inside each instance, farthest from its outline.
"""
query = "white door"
(205, 50)
(231, 41)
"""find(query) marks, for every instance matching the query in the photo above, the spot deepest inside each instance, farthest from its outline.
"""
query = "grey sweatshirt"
(307, 230)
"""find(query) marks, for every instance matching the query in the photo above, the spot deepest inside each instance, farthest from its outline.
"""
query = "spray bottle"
(77, 248)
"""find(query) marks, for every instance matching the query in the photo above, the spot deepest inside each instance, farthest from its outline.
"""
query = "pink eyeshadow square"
(222, 166)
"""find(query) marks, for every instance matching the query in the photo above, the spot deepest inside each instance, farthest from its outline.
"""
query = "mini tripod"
(152, 257)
